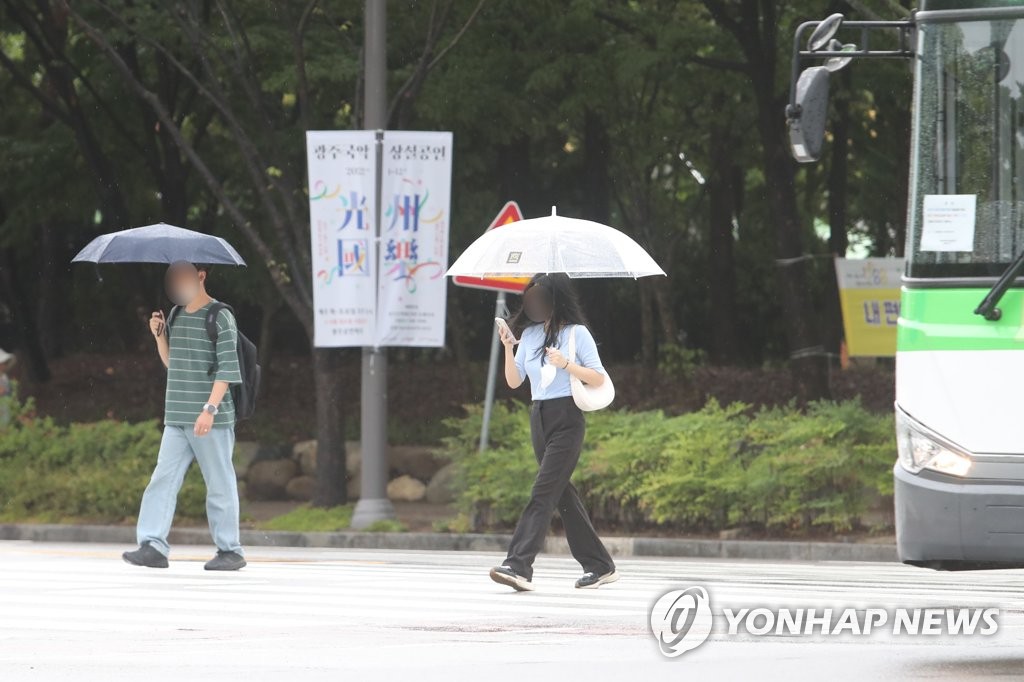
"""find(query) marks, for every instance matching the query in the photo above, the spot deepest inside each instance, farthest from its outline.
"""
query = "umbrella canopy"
(160, 243)
(578, 248)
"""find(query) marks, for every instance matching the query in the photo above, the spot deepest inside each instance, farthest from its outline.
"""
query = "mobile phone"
(503, 325)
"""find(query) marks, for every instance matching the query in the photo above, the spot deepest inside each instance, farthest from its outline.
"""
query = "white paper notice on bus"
(948, 222)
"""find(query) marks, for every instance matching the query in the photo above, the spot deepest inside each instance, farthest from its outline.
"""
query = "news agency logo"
(681, 620)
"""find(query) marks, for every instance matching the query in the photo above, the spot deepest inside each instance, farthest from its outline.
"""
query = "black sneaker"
(225, 561)
(592, 580)
(506, 576)
(146, 555)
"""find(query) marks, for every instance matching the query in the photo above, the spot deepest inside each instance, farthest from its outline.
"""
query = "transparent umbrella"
(578, 248)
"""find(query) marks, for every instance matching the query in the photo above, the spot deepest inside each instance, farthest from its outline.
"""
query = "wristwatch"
(211, 408)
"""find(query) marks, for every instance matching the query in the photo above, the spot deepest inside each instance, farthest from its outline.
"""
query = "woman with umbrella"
(550, 321)
(549, 314)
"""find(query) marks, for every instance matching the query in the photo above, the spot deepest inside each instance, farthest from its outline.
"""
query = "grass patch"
(306, 519)
(386, 526)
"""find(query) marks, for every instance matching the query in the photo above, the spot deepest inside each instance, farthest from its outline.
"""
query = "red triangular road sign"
(510, 213)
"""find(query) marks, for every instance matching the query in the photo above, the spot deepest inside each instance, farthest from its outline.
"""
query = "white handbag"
(589, 398)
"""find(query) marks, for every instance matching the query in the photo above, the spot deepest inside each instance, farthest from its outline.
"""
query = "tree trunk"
(722, 196)
(330, 428)
(267, 337)
(662, 295)
(808, 364)
(838, 241)
(597, 207)
(53, 271)
(648, 336)
(20, 300)
(456, 322)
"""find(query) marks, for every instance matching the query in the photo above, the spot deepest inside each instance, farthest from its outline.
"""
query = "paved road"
(76, 612)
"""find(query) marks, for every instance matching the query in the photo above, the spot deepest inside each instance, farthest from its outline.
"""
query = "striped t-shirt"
(191, 356)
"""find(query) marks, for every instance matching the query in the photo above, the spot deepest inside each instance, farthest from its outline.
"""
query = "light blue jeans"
(213, 452)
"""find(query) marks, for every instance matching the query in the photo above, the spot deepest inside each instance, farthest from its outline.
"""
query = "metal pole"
(492, 371)
(374, 504)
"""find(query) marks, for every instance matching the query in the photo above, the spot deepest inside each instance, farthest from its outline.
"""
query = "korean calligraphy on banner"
(407, 307)
(869, 295)
(416, 198)
(342, 195)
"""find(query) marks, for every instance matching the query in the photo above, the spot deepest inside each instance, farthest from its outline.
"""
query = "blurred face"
(537, 304)
(182, 282)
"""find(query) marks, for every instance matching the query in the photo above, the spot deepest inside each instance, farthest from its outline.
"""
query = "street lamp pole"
(374, 504)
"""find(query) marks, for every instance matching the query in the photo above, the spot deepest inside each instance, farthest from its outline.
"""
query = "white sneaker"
(506, 576)
(591, 580)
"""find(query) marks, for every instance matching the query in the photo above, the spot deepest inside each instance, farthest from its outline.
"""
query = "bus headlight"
(919, 448)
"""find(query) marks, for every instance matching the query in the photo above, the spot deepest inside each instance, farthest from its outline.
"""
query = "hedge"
(94, 471)
(780, 470)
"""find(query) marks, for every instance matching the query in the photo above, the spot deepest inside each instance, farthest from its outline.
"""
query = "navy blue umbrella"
(160, 243)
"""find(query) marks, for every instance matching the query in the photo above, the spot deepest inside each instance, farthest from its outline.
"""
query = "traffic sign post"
(509, 214)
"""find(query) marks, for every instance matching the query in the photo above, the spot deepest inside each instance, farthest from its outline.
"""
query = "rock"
(244, 455)
(732, 534)
(440, 490)
(406, 489)
(416, 461)
(301, 488)
(268, 452)
(353, 457)
(304, 453)
(267, 479)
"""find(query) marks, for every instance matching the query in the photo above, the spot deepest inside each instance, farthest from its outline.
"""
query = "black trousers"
(557, 427)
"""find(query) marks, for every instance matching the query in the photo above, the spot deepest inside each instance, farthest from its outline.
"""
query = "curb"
(766, 550)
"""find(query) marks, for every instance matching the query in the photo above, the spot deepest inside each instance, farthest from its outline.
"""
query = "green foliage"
(678, 361)
(622, 111)
(307, 519)
(94, 471)
(781, 470)
(493, 485)
(386, 526)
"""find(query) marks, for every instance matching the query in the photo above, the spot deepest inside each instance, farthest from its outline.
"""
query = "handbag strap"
(572, 344)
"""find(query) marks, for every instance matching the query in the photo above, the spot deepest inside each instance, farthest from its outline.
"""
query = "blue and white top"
(530, 363)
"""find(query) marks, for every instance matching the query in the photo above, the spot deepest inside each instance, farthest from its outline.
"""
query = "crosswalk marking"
(367, 588)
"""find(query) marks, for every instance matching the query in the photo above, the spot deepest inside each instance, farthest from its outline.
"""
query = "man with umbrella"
(198, 423)
(199, 414)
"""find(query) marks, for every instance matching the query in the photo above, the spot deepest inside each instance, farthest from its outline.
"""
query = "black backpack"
(243, 395)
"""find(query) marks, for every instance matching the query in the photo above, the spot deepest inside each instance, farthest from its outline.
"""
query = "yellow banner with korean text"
(869, 296)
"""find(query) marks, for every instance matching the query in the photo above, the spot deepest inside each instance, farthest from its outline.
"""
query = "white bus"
(959, 471)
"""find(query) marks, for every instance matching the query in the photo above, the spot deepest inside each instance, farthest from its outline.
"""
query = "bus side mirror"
(806, 116)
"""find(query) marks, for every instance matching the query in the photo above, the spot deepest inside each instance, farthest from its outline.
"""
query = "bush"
(95, 471)
(780, 469)
(492, 486)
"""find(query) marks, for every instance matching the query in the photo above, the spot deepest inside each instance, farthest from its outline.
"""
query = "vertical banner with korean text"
(342, 192)
(869, 295)
(415, 219)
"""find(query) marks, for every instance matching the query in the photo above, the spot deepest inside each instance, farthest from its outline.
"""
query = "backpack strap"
(171, 316)
(213, 332)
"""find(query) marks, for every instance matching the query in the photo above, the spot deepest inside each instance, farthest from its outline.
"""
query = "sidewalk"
(770, 550)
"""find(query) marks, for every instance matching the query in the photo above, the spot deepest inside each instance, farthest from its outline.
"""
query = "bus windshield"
(969, 141)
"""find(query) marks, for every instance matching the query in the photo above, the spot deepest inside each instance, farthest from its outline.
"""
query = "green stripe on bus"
(944, 319)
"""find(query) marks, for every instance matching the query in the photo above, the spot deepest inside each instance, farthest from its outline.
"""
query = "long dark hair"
(560, 295)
